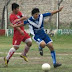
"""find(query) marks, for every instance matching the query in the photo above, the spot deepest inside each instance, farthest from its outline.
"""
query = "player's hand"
(11, 25)
(17, 20)
(15, 25)
(60, 9)
(22, 32)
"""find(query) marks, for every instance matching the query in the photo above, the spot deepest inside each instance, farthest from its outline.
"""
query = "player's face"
(16, 10)
(36, 15)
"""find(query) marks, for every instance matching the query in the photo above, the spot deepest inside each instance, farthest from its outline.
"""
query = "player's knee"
(29, 44)
(16, 48)
(43, 44)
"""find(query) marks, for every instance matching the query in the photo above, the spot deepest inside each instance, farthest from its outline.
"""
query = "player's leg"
(9, 55)
(41, 44)
(53, 54)
(16, 43)
(27, 46)
(41, 50)
(51, 48)
(28, 42)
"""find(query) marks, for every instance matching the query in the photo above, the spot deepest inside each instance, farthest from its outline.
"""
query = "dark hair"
(35, 10)
(14, 6)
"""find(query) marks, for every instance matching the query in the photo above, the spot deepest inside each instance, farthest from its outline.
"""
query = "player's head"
(15, 8)
(35, 13)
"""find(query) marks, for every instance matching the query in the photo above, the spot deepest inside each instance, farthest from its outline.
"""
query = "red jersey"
(14, 17)
(17, 38)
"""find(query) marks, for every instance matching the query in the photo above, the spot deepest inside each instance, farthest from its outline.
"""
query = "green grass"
(63, 48)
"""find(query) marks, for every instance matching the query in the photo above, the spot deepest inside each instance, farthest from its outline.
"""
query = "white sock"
(10, 53)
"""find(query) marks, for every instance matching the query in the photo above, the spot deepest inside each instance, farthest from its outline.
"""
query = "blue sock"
(53, 57)
(40, 48)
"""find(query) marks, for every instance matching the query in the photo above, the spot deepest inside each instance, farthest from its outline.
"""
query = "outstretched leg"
(53, 54)
(26, 49)
(10, 54)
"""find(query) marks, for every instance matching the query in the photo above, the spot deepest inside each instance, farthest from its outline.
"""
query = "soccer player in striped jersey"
(36, 24)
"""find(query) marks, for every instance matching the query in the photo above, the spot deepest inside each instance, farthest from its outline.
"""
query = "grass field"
(63, 48)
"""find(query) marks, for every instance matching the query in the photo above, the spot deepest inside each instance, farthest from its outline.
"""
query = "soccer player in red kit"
(19, 35)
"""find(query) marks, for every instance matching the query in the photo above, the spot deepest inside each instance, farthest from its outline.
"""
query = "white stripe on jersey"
(37, 25)
(31, 29)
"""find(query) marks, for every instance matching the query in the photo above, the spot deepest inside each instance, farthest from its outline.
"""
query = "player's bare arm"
(18, 25)
(54, 12)
(21, 31)
(23, 18)
(11, 25)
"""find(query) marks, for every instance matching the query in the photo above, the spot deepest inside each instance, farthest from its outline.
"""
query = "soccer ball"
(46, 67)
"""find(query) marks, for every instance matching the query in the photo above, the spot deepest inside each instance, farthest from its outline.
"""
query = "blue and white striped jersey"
(36, 25)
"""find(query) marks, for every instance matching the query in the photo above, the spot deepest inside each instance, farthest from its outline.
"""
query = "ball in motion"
(46, 67)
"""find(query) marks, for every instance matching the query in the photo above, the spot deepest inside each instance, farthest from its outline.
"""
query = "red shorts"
(17, 39)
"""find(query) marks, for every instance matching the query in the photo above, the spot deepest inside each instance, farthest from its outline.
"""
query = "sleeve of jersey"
(46, 14)
(21, 14)
(26, 22)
